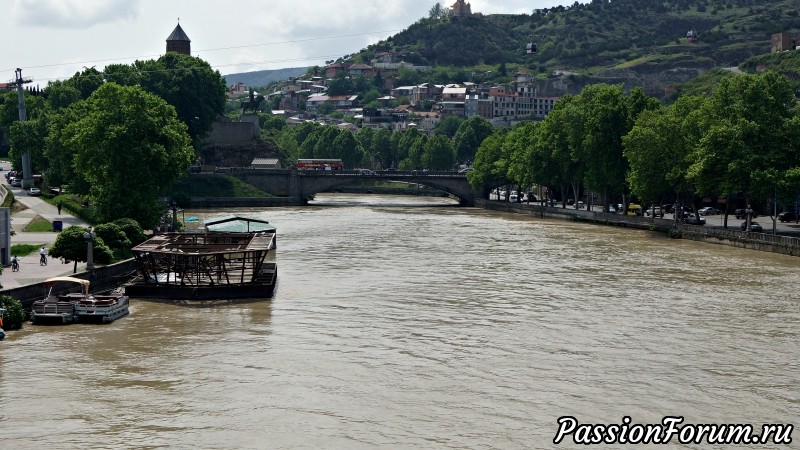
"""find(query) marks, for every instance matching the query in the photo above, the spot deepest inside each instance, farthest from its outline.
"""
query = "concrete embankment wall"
(786, 245)
(101, 279)
(241, 202)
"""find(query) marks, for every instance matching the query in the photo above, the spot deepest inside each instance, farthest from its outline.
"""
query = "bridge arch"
(303, 184)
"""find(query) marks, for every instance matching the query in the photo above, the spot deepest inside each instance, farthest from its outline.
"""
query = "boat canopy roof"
(238, 224)
(84, 283)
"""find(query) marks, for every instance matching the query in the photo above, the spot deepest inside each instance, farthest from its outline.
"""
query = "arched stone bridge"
(303, 184)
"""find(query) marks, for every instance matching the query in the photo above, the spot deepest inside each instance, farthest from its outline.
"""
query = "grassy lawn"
(209, 185)
(24, 249)
(38, 225)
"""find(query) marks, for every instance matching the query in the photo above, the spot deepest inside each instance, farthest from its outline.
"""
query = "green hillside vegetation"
(214, 185)
(586, 38)
(785, 63)
(701, 85)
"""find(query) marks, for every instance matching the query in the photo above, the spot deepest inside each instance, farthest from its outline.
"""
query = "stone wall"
(785, 245)
(102, 279)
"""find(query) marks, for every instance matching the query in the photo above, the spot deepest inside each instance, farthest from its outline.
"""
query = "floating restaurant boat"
(78, 306)
(211, 265)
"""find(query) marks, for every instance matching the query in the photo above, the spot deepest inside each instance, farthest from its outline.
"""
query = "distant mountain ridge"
(261, 78)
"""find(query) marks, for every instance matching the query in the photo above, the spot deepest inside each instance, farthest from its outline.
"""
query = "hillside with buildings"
(507, 69)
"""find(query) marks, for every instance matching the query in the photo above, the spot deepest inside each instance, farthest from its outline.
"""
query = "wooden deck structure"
(205, 266)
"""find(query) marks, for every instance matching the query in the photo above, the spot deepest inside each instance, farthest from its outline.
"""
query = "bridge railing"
(383, 173)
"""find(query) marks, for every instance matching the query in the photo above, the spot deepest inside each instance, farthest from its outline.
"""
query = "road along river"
(408, 322)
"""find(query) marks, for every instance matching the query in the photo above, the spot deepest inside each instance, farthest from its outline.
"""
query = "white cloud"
(73, 14)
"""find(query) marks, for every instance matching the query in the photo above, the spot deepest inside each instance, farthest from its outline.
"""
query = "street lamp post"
(89, 236)
(749, 212)
(174, 216)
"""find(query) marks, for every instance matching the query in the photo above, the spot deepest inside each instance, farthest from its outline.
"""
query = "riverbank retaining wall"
(786, 245)
(101, 279)
(241, 202)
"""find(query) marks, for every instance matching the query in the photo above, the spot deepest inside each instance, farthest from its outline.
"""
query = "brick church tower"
(179, 42)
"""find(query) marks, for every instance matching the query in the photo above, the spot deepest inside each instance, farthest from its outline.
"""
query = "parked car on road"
(654, 211)
(691, 219)
(34, 192)
(16, 182)
(754, 226)
(708, 211)
(788, 216)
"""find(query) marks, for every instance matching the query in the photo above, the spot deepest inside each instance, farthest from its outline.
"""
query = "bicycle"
(14, 265)
(43, 260)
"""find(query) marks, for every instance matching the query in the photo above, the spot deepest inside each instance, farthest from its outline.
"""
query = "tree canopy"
(128, 146)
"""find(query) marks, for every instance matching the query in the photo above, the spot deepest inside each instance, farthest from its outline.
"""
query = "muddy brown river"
(405, 322)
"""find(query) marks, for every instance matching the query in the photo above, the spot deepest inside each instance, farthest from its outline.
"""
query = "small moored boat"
(82, 306)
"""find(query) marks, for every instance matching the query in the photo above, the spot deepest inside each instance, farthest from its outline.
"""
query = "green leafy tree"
(125, 128)
(448, 126)
(407, 76)
(364, 138)
(86, 82)
(416, 151)
(657, 148)
(340, 85)
(190, 85)
(489, 166)
(60, 95)
(522, 141)
(406, 141)
(71, 246)
(323, 148)
(113, 236)
(133, 231)
(348, 149)
(28, 136)
(560, 135)
(325, 108)
(270, 123)
(437, 12)
(747, 136)
(60, 169)
(14, 316)
(470, 135)
(440, 154)
(381, 147)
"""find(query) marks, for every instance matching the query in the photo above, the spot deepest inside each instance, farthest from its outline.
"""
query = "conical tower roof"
(178, 35)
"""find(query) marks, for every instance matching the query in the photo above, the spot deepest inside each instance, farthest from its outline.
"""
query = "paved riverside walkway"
(30, 271)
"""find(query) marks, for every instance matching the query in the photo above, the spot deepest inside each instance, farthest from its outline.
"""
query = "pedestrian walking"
(58, 205)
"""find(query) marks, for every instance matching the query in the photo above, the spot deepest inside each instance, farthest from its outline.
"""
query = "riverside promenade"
(30, 271)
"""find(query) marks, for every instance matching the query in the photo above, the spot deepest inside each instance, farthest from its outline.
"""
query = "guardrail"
(383, 173)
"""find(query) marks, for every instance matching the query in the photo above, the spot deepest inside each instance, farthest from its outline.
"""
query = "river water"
(404, 322)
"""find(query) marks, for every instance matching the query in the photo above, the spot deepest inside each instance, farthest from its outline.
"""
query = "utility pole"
(27, 174)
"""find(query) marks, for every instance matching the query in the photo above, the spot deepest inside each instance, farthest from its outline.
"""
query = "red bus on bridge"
(319, 164)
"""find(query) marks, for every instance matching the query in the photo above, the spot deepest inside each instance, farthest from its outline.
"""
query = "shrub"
(15, 315)
(132, 230)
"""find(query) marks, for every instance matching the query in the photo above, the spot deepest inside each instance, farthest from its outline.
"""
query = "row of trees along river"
(140, 125)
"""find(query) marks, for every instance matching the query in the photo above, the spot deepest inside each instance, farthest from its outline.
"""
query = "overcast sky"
(53, 39)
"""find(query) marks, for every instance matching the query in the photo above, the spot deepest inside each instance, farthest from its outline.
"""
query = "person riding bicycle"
(43, 256)
(14, 264)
